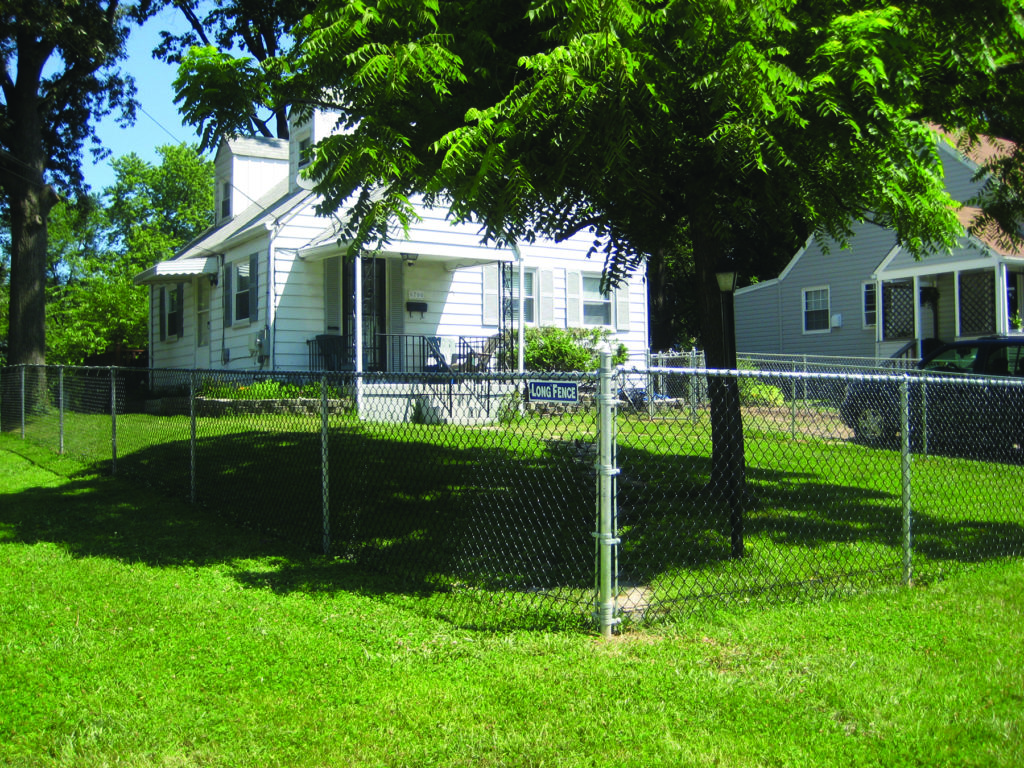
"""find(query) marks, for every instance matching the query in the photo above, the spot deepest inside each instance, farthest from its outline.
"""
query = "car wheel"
(872, 428)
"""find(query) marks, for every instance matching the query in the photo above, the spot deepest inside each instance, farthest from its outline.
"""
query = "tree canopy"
(58, 75)
(231, 56)
(98, 245)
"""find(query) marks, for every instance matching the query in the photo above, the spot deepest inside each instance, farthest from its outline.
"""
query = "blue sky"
(157, 121)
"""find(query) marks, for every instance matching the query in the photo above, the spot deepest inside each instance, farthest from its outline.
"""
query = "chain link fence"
(564, 499)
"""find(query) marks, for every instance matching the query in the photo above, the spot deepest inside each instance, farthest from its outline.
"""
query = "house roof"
(989, 234)
(277, 202)
(256, 146)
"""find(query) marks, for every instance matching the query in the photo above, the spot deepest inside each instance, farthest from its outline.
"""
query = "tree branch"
(197, 25)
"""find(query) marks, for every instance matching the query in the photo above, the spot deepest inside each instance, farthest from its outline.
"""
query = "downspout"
(149, 335)
(222, 282)
(271, 337)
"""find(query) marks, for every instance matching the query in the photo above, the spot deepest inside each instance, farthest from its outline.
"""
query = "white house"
(267, 288)
(873, 299)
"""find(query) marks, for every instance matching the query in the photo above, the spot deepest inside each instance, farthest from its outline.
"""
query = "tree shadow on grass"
(422, 514)
(673, 518)
(407, 517)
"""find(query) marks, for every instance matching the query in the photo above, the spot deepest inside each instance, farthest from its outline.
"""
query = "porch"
(408, 353)
(923, 308)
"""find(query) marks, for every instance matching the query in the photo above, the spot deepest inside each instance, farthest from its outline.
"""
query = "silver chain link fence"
(569, 499)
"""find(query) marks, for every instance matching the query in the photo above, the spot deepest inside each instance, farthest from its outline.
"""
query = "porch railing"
(408, 353)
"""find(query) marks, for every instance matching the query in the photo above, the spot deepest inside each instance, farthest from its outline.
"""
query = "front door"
(375, 306)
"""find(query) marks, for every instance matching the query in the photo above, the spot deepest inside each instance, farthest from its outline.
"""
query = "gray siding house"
(873, 299)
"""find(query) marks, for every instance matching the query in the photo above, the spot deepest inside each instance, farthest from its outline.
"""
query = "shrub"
(754, 392)
(564, 349)
(267, 389)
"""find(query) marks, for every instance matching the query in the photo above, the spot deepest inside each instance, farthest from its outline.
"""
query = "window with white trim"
(171, 318)
(597, 306)
(529, 295)
(225, 200)
(870, 303)
(304, 144)
(816, 310)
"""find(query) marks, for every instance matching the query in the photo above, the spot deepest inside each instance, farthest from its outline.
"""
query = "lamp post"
(733, 461)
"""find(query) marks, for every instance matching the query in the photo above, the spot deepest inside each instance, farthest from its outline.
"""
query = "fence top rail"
(896, 376)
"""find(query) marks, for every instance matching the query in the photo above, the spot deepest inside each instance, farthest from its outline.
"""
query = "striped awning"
(177, 270)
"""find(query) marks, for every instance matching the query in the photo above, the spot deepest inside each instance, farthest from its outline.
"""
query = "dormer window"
(225, 200)
(304, 145)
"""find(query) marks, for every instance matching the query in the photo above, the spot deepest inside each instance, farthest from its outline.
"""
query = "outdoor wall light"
(410, 258)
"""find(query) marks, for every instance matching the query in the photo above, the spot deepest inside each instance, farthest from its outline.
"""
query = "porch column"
(956, 304)
(1002, 310)
(917, 314)
(357, 286)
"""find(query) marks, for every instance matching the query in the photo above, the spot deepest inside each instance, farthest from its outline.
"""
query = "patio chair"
(479, 361)
(434, 360)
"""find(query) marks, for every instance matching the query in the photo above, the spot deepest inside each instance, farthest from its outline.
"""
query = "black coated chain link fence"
(481, 498)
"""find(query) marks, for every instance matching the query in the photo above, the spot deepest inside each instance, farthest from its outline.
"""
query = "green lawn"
(138, 630)
(491, 526)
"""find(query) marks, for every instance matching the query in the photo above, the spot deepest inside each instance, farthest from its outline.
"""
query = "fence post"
(792, 408)
(192, 435)
(924, 417)
(905, 477)
(607, 542)
(650, 387)
(804, 380)
(113, 422)
(60, 406)
(23, 402)
(325, 481)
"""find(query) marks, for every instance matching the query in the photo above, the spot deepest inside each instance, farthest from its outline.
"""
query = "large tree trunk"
(29, 200)
(728, 469)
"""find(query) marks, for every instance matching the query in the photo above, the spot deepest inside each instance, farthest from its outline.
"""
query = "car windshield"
(953, 360)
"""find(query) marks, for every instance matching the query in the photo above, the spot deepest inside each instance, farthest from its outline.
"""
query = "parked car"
(966, 397)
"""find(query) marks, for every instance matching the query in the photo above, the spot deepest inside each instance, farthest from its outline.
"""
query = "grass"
(137, 630)
(490, 526)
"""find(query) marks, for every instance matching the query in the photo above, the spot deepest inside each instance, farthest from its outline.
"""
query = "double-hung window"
(241, 291)
(171, 318)
(870, 315)
(816, 310)
(597, 306)
(529, 295)
(225, 200)
(242, 287)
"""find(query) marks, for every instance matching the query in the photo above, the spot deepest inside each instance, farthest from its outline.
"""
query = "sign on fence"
(554, 391)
